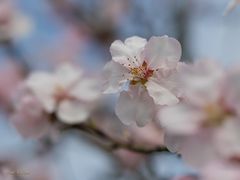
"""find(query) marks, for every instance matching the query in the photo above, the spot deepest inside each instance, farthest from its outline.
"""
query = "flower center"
(141, 74)
(60, 93)
(216, 114)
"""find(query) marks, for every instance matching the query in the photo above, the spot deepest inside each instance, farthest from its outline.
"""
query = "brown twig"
(114, 144)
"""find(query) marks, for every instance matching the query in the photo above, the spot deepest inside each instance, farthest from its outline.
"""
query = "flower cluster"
(197, 105)
(144, 71)
(204, 126)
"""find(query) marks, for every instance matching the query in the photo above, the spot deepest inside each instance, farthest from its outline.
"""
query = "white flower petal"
(67, 75)
(202, 82)
(43, 87)
(161, 95)
(115, 75)
(136, 43)
(72, 112)
(86, 90)
(135, 109)
(168, 78)
(180, 119)
(124, 109)
(129, 52)
(162, 52)
(228, 138)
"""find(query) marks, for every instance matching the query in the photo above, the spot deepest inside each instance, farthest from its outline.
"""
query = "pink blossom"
(205, 125)
(29, 117)
(66, 92)
(8, 85)
(13, 24)
(5, 174)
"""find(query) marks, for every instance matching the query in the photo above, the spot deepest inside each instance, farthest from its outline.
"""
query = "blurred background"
(39, 35)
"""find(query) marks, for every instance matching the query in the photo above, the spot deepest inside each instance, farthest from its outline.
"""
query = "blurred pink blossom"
(66, 92)
(220, 170)
(205, 125)
(29, 117)
(13, 24)
(5, 174)
(8, 85)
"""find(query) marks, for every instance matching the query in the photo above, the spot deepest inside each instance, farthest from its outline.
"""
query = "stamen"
(216, 114)
(141, 74)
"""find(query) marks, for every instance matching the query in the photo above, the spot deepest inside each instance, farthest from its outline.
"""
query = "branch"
(114, 143)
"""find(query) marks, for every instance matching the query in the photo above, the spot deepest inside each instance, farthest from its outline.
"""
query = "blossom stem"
(114, 144)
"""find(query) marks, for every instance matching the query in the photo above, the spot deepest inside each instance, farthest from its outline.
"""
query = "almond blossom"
(147, 71)
(205, 125)
(151, 64)
(66, 92)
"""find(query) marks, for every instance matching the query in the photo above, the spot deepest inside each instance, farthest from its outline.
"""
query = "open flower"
(151, 64)
(65, 92)
(206, 124)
